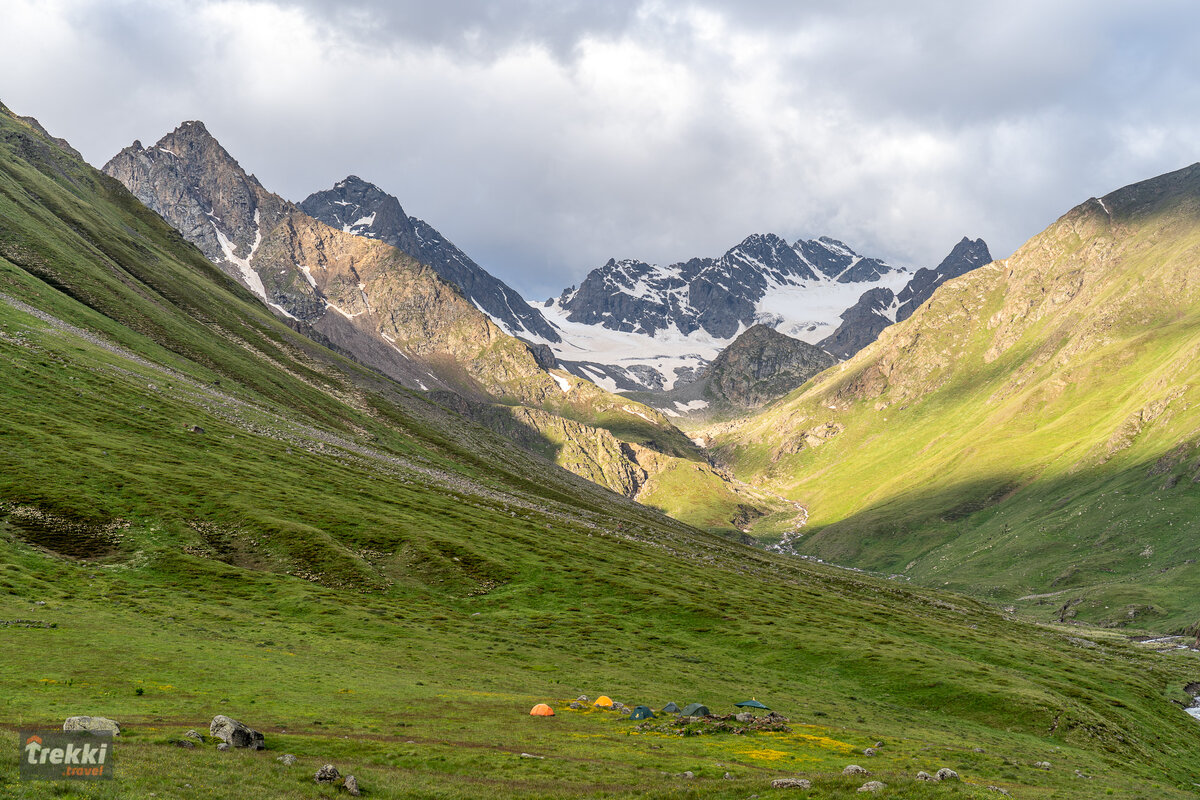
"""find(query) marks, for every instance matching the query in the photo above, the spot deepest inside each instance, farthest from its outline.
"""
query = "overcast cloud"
(546, 136)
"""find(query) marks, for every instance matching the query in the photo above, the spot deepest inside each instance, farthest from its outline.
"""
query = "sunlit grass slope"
(204, 512)
(1033, 429)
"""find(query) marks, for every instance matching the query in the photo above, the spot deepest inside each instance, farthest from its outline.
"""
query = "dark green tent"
(670, 708)
(642, 712)
(751, 704)
(696, 710)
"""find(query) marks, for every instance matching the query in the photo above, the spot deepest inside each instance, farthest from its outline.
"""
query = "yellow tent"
(542, 710)
(603, 701)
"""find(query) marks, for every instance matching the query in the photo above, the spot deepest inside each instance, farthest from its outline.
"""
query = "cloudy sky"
(546, 136)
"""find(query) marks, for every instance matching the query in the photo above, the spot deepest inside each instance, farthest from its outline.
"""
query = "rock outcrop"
(235, 734)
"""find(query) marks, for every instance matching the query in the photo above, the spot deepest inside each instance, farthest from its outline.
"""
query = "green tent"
(642, 712)
(697, 710)
(751, 704)
(670, 708)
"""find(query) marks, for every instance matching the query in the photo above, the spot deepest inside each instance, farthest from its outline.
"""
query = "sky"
(544, 137)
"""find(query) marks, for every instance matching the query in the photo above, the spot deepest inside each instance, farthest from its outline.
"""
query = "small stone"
(576, 705)
(686, 775)
(351, 786)
(327, 774)
(193, 735)
(100, 724)
(187, 744)
(878, 745)
(791, 783)
(947, 774)
(583, 698)
(287, 759)
(223, 746)
(854, 769)
(925, 776)
(1000, 790)
(977, 750)
(1042, 764)
(530, 755)
(745, 717)
(870, 751)
(872, 786)
(727, 776)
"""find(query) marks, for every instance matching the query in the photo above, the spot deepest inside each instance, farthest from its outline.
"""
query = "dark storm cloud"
(545, 136)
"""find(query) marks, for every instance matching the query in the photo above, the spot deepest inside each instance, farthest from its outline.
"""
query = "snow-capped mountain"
(631, 325)
(363, 209)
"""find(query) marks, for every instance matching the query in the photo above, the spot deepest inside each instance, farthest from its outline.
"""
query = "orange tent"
(542, 710)
(603, 701)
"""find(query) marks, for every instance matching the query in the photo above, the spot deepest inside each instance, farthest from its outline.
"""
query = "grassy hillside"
(1032, 430)
(204, 512)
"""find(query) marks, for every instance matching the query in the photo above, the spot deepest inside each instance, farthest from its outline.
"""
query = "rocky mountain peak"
(356, 206)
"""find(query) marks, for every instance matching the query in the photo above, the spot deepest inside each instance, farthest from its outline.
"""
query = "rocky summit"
(363, 209)
(880, 307)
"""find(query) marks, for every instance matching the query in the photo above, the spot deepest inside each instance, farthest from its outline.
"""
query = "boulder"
(744, 717)
(327, 774)
(193, 735)
(872, 786)
(287, 759)
(947, 774)
(870, 751)
(854, 769)
(235, 734)
(95, 724)
(1042, 764)
(925, 776)
(791, 783)
(583, 698)
(351, 786)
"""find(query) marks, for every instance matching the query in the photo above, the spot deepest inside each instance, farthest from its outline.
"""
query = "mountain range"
(208, 509)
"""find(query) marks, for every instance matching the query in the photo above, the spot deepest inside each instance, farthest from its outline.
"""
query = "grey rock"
(855, 769)
(287, 759)
(744, 717)
(727, 776)
(223, 746)
(870, 751)
(186, 744)
(791, 783)
(1000, 790)
(327, 774)
(872, 786)
(1041, 764)
(947, 774)
(530, 755)
(351, 786)
(193, 735)
(583, 698)
(686, 775)
(99, 724)
(235, 734)
(925, 776)
(575, 704)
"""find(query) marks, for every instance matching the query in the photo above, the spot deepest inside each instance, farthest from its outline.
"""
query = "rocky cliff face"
(761, 366)
(363, 209)
(880, 307)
